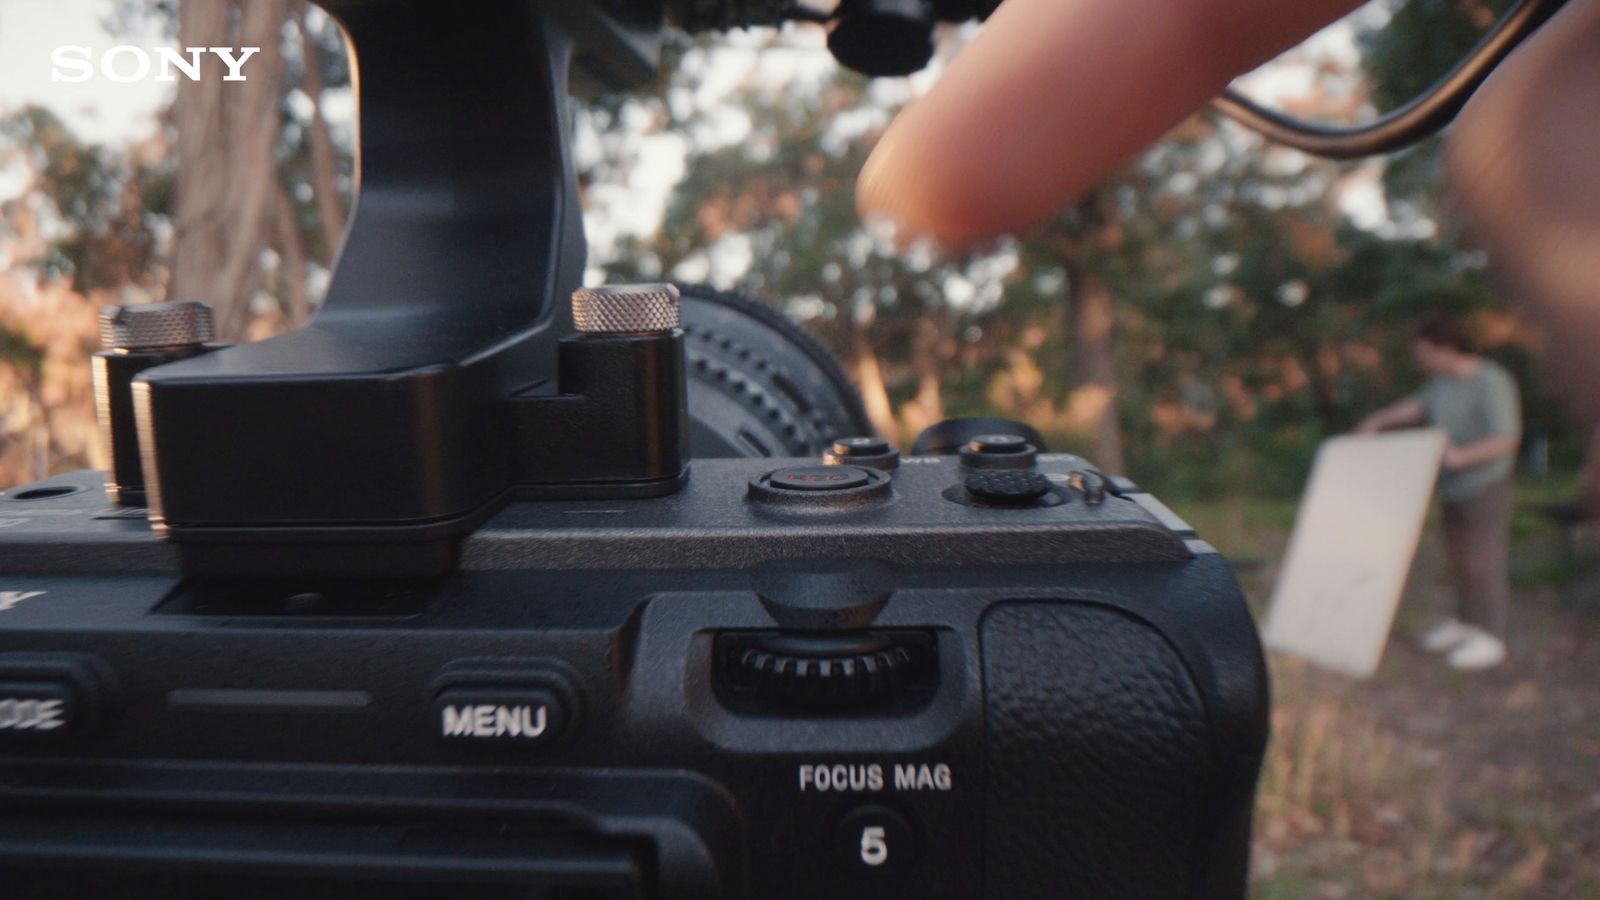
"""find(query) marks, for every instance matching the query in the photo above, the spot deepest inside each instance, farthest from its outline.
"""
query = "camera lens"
(759, 385)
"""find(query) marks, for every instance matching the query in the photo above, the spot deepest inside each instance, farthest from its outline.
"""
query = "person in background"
(1475, 401)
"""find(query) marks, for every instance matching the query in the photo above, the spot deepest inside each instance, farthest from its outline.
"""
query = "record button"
(819, 478)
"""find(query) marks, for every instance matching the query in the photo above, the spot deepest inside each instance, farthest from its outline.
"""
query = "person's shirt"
(1470, 408)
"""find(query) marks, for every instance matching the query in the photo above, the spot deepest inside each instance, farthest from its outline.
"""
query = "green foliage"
(1422, 41)
(108, 241)
(20, 353)
(1253, 318)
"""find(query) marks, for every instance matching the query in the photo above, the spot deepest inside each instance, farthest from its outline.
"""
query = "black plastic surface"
(113, 857)
(113, 374)
(709, 523)
(1125, 692)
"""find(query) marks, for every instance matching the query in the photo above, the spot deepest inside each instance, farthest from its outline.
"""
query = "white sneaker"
(1481, 650)
(1446, 635)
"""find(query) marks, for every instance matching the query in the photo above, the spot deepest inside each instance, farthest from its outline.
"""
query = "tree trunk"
(1093, 400)
(927, 407)
(1322, 373)
(42, 436)
(874, 395)
(324, 159)
(1589, 479)
(291, 246)
(226, 175)
(1092, 403)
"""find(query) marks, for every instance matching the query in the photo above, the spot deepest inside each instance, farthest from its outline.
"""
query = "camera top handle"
(382, 431)
(426, 391)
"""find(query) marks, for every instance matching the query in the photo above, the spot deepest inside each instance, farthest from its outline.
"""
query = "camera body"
(427, 597)
(905, 686)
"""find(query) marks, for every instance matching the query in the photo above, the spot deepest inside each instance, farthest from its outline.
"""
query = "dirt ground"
(1425, 782)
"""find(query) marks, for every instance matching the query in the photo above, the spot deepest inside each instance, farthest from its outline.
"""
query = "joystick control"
(823, 657)
(836, 670)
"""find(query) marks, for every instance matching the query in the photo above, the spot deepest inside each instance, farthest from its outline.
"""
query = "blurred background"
(1200, 321)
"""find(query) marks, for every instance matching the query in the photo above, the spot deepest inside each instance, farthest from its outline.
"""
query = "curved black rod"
(1418, 119)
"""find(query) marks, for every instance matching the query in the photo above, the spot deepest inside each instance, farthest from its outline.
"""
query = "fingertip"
(1051, 97)
(913, 199)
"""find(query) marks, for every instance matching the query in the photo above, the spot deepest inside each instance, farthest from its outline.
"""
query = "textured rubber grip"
(1098, 775)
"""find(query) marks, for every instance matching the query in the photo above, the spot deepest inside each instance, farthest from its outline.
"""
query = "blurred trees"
(1419, 43)
(1202, 320)
(80, 234)
(226, 198)
(239, 200)
(250, 165)
(1218, 302)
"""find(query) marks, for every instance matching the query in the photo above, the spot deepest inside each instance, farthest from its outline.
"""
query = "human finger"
(1054, 94)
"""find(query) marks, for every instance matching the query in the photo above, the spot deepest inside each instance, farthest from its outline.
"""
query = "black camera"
(426, 598)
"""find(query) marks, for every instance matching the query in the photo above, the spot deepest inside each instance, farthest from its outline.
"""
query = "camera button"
(507, 715)
(820, 488)
(1007, 487)
(40, 709)
(999, 451)
(819, 478)
(999, 443)
(49, 697)
(871, 840)
(871, 452)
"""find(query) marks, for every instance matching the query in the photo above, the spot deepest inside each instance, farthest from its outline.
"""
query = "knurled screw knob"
(872, 452)
(1005, 487)
(156, 326)
(626, 309)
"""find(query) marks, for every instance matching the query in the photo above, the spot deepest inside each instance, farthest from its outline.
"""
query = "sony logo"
(126, 64)
(9, 599)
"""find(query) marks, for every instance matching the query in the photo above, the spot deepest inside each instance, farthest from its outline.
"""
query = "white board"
(1353, 542)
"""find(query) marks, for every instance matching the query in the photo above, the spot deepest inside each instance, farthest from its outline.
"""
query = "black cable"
(1418, 119)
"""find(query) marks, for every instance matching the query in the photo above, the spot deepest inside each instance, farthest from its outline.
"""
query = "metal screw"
(626, 309)
(156, 326)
